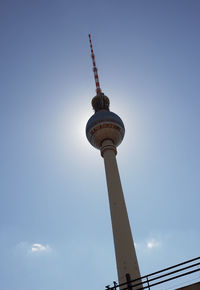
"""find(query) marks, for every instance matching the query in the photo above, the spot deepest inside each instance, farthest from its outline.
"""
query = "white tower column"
(124, 247)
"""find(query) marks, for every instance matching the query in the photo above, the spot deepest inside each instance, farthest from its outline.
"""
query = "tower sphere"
(104, 125)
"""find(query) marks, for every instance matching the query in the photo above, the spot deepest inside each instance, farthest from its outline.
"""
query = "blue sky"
(55, 228)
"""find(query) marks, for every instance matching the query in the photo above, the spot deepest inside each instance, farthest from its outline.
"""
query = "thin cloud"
(28, 249)
(39, 248)
(152, 244)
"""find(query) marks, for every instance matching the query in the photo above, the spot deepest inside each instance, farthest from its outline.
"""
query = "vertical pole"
(128, 279)
(115, 285)
(148, 283)
(124, 247)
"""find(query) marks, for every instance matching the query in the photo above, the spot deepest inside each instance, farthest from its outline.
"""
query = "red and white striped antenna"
(96, 77)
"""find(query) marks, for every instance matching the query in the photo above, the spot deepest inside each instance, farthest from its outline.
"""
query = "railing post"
(115, 285)
(148, 283)
(128, 279)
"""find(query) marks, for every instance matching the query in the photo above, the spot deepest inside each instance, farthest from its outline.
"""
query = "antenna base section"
(100, 102)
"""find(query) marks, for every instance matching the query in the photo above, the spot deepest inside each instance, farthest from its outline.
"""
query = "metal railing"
(159, 277)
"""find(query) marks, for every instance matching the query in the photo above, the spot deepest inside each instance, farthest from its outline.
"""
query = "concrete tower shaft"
(126, 258)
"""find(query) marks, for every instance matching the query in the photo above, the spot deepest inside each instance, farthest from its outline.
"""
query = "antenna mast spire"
(96, 77)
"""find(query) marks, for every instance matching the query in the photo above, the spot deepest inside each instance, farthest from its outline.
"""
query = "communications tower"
(105, 131)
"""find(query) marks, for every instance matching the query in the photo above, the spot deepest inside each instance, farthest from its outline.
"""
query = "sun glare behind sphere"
(72, 122)
(129, 117)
